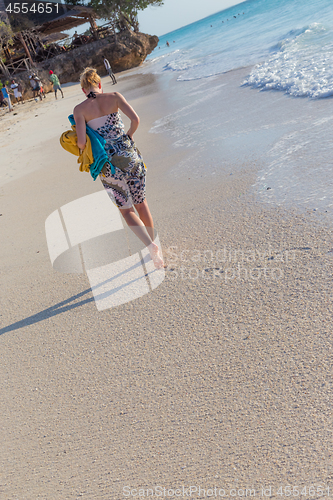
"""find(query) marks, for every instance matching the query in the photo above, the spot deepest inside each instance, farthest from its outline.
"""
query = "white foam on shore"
(224, 127)
(292, 47)
(302, 66)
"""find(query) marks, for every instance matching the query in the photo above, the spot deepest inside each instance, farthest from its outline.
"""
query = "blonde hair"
(89, 78)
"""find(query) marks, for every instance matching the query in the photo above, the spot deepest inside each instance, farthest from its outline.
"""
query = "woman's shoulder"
(78, 109)
(103, 104)
(116, 96)
(110, 94)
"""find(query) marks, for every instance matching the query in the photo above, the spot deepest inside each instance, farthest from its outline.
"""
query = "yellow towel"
(68, 140)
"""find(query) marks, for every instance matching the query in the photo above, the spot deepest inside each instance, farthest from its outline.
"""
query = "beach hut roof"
(62, 18)
(76, 16)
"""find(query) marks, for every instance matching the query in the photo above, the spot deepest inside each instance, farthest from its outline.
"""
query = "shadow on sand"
(61, 307)
(68, 304)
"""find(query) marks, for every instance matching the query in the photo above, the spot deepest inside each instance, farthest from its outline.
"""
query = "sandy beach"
(221, 377)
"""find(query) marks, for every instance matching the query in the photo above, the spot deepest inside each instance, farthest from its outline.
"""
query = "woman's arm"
(80, 123)
(128, 111)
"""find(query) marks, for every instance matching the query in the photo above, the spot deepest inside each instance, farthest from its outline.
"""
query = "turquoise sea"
(254, 83)
(289, 41)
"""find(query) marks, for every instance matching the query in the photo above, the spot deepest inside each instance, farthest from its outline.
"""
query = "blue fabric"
(4, 92)
(98, 150)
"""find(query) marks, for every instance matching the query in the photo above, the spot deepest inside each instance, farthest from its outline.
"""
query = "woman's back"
(98, 105)
(109, 126)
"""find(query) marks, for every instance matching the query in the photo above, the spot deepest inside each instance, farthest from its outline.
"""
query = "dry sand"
(222, 376)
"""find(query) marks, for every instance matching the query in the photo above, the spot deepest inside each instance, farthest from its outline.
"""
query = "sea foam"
(289, 44)
(302, 65)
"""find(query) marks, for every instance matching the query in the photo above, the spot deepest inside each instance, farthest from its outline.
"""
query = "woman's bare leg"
(140, 228)
(136, 225)
(145, 216)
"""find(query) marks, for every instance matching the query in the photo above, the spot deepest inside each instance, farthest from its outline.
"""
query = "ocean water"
(289, 43)
(253, 83)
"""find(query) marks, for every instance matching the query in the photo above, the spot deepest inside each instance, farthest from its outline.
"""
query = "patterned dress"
(127, 186)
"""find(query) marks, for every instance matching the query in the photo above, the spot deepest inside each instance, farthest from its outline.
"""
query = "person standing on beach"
(40, 85)
(125, 179)
(109, 70)
(17, 93)
(20, 89)
(6, 96)
(56, 84)
(35, 87)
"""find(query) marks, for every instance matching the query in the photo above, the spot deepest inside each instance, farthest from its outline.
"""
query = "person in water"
(126, 186)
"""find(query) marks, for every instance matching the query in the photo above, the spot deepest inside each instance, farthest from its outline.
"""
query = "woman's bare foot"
(155, 255)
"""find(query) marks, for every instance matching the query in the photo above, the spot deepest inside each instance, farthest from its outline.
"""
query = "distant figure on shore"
(35, 88)
(109, 70)
(124, 174)
(17, 94)
(6, 96)
(56, 84)
(20, 89)
(42, 90)
(168, 44)
(39, 83)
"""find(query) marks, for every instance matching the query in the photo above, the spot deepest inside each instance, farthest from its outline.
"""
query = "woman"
(126, 186)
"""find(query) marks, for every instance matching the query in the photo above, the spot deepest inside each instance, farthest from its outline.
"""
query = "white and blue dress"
(127, 186)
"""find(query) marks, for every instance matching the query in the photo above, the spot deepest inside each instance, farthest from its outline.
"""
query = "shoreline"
(220, 376)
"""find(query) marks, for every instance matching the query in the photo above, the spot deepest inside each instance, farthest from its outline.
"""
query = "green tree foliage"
(6, 34)
(122, 13)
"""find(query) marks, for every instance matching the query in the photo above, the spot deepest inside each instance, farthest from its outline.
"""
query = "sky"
(177, 13)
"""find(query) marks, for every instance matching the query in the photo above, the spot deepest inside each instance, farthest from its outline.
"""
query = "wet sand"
(220, 377)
